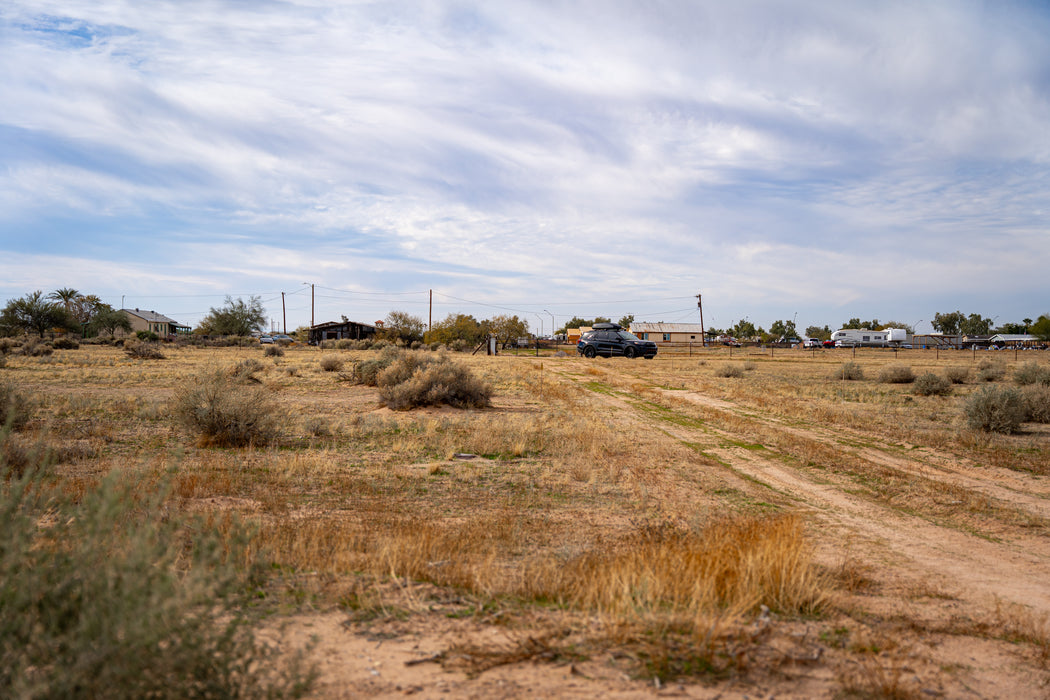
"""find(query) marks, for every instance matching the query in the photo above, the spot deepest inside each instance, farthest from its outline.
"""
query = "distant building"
(341, 330)
(669, 332)
(153, 322)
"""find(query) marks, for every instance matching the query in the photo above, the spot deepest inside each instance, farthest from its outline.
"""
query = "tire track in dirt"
(1020, 491)
(978, 570)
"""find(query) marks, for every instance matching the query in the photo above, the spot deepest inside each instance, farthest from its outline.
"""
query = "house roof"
(335, 324)
(151, 316)
(1012, 338)
(694, 328)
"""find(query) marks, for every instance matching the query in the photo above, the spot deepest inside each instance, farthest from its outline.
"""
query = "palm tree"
(69, 298)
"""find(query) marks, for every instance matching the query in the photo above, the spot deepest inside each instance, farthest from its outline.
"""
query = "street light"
(552, 321)
(541, 322)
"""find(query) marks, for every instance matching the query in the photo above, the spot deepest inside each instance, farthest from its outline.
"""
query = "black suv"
(610, 340)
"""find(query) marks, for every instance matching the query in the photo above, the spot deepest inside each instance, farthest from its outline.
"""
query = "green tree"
(783, 329)
(948, 323)
(455, 327)
(856, 323)
(403, 326)
(34, 313)
(69, 298)
(234, 318)
(743, 330)
(896, 324)
(626, 321)
(1041, 328)
(507, 329)
(574, 322)
(1013, 328)
(818, 332)
(974, 324)
(108, 320)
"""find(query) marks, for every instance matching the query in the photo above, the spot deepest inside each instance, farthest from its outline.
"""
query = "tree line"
(67, 309)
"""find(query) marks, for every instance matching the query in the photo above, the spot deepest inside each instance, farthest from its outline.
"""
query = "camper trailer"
(854, 337)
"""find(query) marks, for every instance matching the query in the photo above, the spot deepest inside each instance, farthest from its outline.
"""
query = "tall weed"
(105, 595)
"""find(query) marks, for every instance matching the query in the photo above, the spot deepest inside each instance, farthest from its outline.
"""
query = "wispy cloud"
(525, 151)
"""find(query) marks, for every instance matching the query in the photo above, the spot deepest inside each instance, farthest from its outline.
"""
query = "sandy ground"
(945, 591)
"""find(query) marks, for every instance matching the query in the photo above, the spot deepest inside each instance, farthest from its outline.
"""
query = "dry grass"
(594, 489)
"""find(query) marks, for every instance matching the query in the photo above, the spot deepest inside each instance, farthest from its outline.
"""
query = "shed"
(341, 330)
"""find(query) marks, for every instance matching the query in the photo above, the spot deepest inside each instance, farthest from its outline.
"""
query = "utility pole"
(311, 306)
(430, 320)
(703, 331)
(284, 315)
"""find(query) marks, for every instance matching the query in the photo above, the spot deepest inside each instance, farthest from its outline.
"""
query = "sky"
(812, 161)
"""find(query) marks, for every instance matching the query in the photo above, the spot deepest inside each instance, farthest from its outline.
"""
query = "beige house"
(153, 322)
(669, 332)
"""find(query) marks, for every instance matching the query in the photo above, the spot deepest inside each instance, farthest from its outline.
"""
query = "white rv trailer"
(847, 337)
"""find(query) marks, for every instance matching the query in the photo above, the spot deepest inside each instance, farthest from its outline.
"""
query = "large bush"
(1037, 403)
(896, 374)
(957, 374)
(995, 409)
(227, 410)
(439, 381)
(930, 384)
(988, 371)
(116, 599)
(1032, 372)
(850, 371)
(407, 379)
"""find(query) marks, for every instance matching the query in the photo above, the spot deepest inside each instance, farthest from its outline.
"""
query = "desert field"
(794, 524)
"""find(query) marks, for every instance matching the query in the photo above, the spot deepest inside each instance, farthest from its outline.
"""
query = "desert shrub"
(34, 347)
(1037, 403)
(245, 371)
(896, 374)
(273, 351)
(367, 372)
(143, 351)
(459, 345)
(317, 426)
(1032, 372)
(115, 598)
(15, 408)
(995, 410)
(731, 371)
(226, 411)
(988, 371)
(283, 342)
(850, 371)
(930, 384)
(147, 335)
(65, 343)
(380, 345)
(331, 363)
(408, 383)
(750, 366)
(416, 345)
(435, 346)
(957, 374)
(8, 345)
(292, 371)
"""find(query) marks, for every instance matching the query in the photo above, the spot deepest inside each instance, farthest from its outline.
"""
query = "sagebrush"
(226, 411)
(995, 409)
(116, 599)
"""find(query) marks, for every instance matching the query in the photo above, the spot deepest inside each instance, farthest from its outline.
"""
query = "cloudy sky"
(813, 160)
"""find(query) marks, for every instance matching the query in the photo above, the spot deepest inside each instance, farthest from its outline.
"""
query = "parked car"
(828, 343)
(265, 340)
(813, 343)
(282, 338)
(611, 340)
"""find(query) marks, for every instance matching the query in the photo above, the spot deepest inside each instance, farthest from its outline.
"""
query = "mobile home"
(863, 337)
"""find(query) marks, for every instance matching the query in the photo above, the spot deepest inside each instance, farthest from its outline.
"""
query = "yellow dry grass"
(590, 485)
